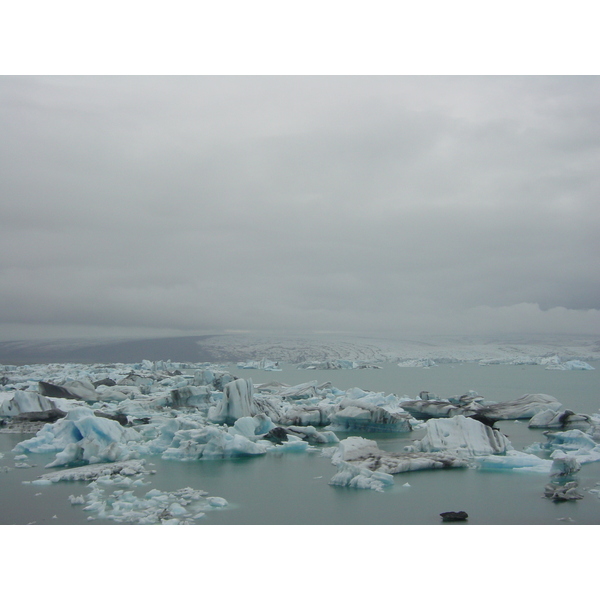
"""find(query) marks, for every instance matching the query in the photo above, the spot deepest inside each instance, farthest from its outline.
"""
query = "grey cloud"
(355, 204)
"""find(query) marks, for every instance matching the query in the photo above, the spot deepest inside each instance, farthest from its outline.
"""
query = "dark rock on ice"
(430, 409)
(46, 416)
(276, 435)
(489, 421)
(56, 391)
(107, 381)
(74, 390)
(461, 515)
(119, 418)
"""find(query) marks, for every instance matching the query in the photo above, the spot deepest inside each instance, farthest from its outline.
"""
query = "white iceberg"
(26, 402)
(463, 436)
(238, 401)
(349, 475)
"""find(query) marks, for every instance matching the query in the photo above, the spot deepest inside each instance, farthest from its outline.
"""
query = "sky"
(370, 205)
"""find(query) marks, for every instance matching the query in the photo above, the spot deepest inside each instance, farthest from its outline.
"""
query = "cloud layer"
(371, 205)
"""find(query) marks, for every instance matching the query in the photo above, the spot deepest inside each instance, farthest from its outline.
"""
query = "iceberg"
(463, 436)
(574, 443)
(366, 454)
(554, 419)
(73, 390)
(317, 416)
(26, 402)
(349, 475)
(193, 396)
(264, 365)
(210, 443)
(82, 436)
(563, 464)
(525, 407)
(569, 365)
(561, 492)
(428, 409)
(361, 415)
(238, 401)
(92, 472)
(514, 460)
(181, 507)
(417, 363)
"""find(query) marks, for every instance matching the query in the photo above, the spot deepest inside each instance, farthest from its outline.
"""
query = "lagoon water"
(293, 489)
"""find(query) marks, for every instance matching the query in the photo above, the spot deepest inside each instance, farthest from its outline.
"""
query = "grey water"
(293, 489)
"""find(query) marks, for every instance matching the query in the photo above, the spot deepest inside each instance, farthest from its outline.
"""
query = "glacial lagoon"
(293, 488)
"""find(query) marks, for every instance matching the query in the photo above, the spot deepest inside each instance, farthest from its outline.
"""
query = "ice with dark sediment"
(559, 419)
(238, 401)
(461, 435)
(26, 402)
(525, 407)
(365, 453)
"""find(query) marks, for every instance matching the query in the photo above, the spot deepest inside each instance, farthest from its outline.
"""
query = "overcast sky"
(367, 205)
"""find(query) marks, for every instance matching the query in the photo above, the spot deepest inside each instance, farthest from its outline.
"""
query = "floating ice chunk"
(264, 364)
(417, 362)
(574, 443)
(570, 365)
(461, 435)
(26, 402)
(525, 407)
(292, 444)
(515, 460)
(217, 502)
(427, 409)
(238, 401)
(307, 415)
(361, 415)
(251, 427)
(563, 464)
(221, 444)
(92, 472)
(79, 390)
(562, 491)
(77, 499)
(366, 454)
(335, 365)
(349, 475)
(188, 395)
(82, 436)
(554, 419)
(301, 391)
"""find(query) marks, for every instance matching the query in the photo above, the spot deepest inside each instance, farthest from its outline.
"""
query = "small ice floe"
(182, 507)
(562, 492)
(406, 484)
(349, 475)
